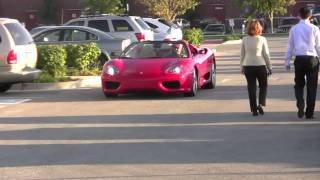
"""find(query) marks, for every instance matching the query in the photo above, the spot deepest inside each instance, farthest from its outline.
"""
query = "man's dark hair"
(305, 12)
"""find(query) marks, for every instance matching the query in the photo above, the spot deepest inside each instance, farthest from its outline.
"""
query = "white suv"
(125, 27)
(164, 30)
(18, 54)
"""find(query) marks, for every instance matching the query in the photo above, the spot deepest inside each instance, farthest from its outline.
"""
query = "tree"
(267, 7)
(104, 7)
(169, 9)
(48, 11)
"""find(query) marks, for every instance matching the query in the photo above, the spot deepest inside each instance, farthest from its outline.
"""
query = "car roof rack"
(103, 15)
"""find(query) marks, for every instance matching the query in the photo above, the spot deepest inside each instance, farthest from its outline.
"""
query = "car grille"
(112, 85)
(171, 84)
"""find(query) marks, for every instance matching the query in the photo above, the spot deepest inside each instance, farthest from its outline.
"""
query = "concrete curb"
(83, 82)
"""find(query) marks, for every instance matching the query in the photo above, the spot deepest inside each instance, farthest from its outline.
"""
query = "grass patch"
(232, 37)
(91, 72)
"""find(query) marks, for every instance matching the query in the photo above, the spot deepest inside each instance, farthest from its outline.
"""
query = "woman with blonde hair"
(255, 65)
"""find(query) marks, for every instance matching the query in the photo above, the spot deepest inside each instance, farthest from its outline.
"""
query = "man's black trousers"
(306, 71)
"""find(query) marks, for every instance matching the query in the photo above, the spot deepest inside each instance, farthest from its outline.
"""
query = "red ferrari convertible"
(167, 67)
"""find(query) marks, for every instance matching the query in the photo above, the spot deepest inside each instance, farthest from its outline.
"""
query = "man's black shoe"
(300, 113)
(309, 116)
(260, 110)
(255, 113)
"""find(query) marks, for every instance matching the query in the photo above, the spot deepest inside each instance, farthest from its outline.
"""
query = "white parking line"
(115, 141)
(13, 101)
(237, 57)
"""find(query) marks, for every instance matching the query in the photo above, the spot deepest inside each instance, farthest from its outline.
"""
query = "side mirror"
(113, 54)
(202, 51)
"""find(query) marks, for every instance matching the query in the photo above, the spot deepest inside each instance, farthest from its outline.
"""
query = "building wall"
(27, 10)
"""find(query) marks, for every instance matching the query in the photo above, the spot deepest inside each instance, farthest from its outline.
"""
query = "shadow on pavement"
(184, 139)
(225, 92)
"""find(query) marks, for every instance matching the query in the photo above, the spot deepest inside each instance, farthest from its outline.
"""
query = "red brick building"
(27, 10)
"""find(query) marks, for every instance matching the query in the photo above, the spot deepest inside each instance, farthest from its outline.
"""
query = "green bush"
(52, 60)
(82, 57)
(193, 36)
(231, 37)
(47, 78)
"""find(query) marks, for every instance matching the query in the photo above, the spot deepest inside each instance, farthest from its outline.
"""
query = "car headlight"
(174, 70)
(111, 70)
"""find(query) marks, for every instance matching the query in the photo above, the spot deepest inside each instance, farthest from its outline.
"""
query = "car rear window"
(121, 26)
(152, 25)
(143, 24)
(99, 24)
(19, 34)
(170, 24)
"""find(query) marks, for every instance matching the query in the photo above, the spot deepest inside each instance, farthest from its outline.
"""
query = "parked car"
(126, 27)
(215, 29)
(182, 23)
(81, 35)
(163, 66)
(18, 54)
(315, 19)
(164, 30)
(38, 29)
(287, 23)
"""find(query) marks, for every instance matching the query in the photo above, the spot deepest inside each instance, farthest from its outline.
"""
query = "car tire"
(212, 83)
(194, 88)
(4, 87)
(110, 95)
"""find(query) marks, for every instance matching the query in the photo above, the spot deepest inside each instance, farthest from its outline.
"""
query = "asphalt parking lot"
(79, 134)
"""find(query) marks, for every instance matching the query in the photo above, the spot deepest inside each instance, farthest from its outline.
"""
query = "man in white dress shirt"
(304, 44)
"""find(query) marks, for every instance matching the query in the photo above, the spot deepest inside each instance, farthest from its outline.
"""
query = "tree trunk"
(271, 21)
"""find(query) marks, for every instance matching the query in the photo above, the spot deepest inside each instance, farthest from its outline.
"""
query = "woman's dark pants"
(254, 73)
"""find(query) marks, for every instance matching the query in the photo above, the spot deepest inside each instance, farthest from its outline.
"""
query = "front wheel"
(212, 83)
(194, 88)
(4, 87)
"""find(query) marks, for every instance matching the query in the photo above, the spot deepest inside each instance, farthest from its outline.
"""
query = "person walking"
(304, 44)
(255, 65)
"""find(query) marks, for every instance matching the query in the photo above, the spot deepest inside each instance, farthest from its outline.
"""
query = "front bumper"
(167, 84)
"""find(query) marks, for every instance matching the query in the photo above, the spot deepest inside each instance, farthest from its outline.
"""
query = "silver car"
(110, 46)
(215, 29)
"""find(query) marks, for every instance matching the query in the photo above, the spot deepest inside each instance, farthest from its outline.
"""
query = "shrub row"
(54, 60)
(193, 36)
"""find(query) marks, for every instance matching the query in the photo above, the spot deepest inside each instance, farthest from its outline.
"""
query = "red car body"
(136, 75)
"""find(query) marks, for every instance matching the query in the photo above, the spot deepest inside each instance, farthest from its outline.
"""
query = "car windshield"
(170, 24)
(146, 50)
